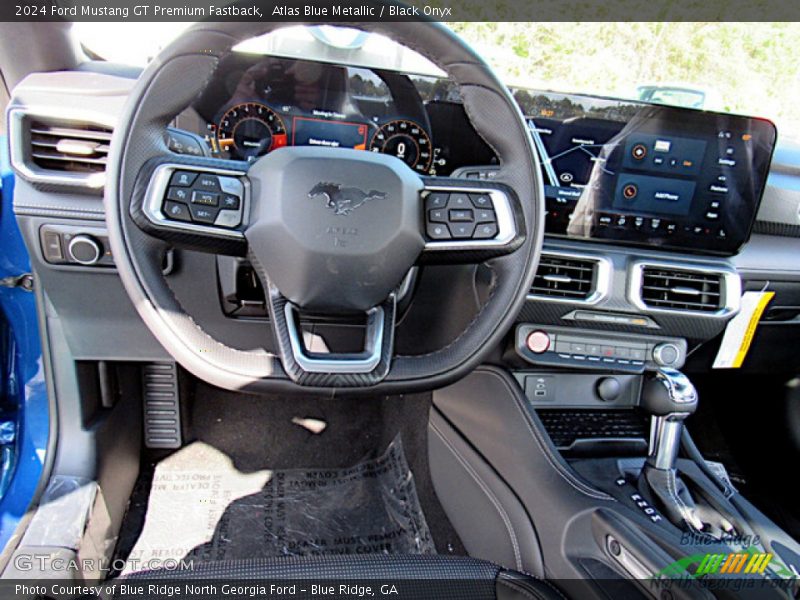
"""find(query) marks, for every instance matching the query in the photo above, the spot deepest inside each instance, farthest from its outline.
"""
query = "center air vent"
(570, 278)
(74, 148)
(670, 288)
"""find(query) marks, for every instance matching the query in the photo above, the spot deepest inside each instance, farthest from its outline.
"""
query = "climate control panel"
(586, 349)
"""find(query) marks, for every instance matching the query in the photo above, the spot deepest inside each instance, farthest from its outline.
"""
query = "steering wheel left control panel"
(197, 199)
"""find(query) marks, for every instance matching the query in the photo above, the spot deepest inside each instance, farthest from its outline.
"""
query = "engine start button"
(538, 341)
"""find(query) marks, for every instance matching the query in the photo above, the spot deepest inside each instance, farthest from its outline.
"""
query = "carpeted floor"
(255, 434)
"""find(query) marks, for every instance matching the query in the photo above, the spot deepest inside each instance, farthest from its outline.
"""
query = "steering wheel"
(328, 230)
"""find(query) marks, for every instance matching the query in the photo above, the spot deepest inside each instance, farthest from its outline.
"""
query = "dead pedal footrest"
(162, 415)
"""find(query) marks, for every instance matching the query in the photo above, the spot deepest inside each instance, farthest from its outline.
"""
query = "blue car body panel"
(23, 391)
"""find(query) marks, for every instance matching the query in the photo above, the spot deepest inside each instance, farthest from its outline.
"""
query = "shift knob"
(668, 392)
(669, 397)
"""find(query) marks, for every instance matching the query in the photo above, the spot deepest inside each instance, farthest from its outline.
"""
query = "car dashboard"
(650, 210)
(614, 170)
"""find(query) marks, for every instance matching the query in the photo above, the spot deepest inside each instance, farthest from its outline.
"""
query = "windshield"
(745, 68)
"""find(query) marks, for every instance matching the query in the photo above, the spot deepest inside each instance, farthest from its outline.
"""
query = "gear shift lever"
(669, 397)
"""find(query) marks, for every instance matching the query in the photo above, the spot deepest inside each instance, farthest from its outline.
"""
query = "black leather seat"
(414, 577)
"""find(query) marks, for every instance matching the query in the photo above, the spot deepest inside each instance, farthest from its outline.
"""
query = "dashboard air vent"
(681, 289)
(71, 148)
(566, 278)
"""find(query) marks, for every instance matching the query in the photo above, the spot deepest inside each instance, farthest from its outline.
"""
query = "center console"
(630, 521)
(593, 408)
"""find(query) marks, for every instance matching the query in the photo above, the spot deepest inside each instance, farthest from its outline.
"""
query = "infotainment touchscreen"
(648, 174)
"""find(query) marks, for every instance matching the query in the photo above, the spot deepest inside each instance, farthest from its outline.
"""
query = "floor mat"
(201, 507)
(257, 433)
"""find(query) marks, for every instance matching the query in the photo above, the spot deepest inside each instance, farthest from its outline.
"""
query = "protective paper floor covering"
(201, 507)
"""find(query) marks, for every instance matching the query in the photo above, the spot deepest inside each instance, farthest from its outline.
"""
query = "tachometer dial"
(407, 141)
(250, 130)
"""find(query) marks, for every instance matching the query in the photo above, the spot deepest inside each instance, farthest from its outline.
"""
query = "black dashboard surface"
(617, 170)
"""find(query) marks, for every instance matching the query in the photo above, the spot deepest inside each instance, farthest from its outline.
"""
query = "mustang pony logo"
(344, 200)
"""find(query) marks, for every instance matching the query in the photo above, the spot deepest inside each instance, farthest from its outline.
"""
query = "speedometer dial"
(407, 141)
(250, 130)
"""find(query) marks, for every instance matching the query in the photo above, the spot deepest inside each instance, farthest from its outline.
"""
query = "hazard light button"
(538, 341)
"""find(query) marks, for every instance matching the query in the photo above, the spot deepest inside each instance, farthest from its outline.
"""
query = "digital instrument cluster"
(257, 104)
(251, 129)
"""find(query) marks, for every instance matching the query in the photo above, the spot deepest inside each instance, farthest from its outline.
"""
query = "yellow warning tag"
(741, 329)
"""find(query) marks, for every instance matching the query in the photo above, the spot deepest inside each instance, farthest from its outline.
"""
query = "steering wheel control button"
(207, 182)
(538, 341)
(183, 178)
(199, 198)
(177, 211)
(459, 200)
(483, 215)
(462, 231)
(230, 202)
(438, 215)
(438, 231)
(461, 215)
(228, 218)
(178, 194)
(436, 200)
(485, 231)
(474, 218)
(481, 200)
(203, 214)
(205, 198)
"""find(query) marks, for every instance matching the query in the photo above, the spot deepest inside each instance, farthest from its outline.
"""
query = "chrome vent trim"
(62, 149)
(571, 278)
(685, 289)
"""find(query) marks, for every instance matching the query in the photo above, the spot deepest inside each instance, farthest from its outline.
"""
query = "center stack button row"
(605, 350)
(572, 347)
